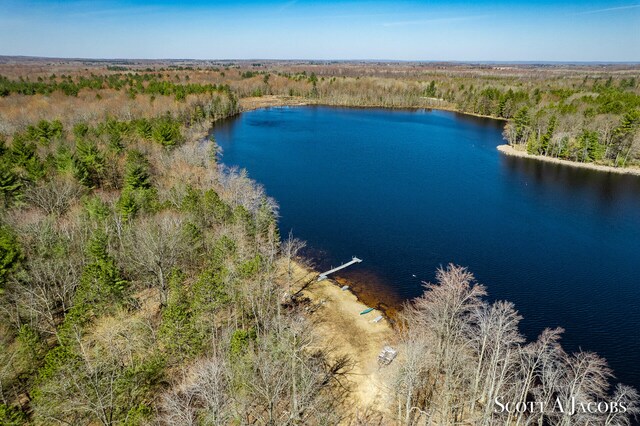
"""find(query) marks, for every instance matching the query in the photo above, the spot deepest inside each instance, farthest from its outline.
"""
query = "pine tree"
(522, 123)
(10, 254)
(10, 184)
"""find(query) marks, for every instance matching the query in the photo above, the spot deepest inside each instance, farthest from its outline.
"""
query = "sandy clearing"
(341, 330)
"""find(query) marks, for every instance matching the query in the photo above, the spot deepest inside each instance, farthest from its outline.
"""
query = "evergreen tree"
(10, 253)
(522, 123)
(166, 132)
(10, 184)
(88, 163)
(545, 139)
(137, 174)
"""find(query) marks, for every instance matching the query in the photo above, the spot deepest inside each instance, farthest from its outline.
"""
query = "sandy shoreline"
(340, 330)
(509, 150)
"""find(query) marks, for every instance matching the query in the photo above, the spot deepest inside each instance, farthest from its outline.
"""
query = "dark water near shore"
(408, 191)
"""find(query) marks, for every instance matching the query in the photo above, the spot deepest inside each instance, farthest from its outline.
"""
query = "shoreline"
(371, 298)
(268, 101)
(513, 152)
(363, 299)
(340, 330)
(336, 323)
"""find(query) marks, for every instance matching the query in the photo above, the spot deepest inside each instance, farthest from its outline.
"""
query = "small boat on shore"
(377, 319)
(366, 311)
(345, 288)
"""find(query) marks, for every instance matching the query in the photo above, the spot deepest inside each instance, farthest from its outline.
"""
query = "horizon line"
(460, 61)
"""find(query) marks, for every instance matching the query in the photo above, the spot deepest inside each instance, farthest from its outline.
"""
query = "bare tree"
(202, 397)
(461, 354)
(54, 196)
(275, 380)
(623, 406)
(412, 376)
(289, 383)
(155, 246)
(98, 383)
(586, 379)
(496, 333)
(445, 306)
(239, 189)
(44, 292)
(532, 359)
(290, 249)
(442, 315)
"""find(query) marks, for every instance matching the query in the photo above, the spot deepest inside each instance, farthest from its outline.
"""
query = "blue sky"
(331, 29)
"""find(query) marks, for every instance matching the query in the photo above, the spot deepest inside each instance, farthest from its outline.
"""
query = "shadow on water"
(608, 187)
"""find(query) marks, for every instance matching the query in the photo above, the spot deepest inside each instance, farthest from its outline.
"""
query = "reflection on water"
(609, 187)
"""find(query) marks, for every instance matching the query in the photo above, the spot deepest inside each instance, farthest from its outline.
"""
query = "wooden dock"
(323, 276)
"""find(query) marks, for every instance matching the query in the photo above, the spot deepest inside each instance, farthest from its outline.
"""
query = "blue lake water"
(408, 191)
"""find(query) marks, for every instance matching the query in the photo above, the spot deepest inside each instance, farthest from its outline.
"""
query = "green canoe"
(366, 311)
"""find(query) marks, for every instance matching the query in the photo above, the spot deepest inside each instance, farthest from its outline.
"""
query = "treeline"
(155, 84)
(466, 362)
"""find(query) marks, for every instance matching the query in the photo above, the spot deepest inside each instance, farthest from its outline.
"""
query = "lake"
(408, 191)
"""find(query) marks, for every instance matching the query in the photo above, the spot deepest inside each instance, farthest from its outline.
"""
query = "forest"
(138, 282)
(141, 282)
(582, 115)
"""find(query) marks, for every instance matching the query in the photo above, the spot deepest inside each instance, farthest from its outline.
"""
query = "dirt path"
(341, 330)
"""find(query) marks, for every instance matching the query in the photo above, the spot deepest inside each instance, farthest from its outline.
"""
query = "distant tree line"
(133, 83)
(584, 119)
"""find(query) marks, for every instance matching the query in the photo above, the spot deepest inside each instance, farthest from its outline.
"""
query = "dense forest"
(138, 283)
(143, 283)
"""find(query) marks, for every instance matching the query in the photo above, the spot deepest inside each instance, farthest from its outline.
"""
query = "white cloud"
(609, 9)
